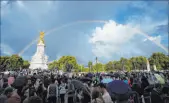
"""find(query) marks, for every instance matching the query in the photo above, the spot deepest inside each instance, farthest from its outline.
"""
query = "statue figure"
(41, 39)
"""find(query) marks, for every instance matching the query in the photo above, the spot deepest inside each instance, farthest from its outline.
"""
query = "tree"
(109, 66)
(160, 60)
(85, 69)
(4, 63)
(68, 62)
(69, 66)
(133, 62)
(15, 62)
(98, 67)
(138, 63)
(123, 62)
(117, 65)
(126, 64)
(54, 65)
(90, 64)
(11, 62)
(26, 64)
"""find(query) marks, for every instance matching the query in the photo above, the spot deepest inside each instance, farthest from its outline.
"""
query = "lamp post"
(96, 64)
(122, 64)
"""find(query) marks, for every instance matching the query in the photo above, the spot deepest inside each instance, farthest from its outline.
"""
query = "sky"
(85, 29)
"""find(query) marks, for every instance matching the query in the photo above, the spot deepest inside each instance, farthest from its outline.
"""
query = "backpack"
(52, 90)
(62, 88)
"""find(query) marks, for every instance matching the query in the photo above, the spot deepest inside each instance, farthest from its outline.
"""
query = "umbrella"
(107, 80)
(39, 77)
(116, 75)
(20, 81)
(165, 89)
(159, 78)
(110, 75)
(151, 80)
(118, 87)
(86, 79)
(90, 75)
(79, 85)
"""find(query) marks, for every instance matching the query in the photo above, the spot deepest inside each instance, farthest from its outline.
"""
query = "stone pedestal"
(39, 60)
(148, 66)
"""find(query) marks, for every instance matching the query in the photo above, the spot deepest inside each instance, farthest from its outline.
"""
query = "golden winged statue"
(41, 38)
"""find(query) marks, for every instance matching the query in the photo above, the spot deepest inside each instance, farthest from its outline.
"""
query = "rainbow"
(86, 21)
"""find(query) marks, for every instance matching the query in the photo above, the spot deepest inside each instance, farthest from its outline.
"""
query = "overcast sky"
(107, 29)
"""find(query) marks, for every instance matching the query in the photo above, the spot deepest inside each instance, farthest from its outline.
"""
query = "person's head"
(124, 78)
(8, 91)
(38, 80)
(95, 93)
(117, 78)
(102, 87)
(15, 98)
(35, 99)
(34, 74)
(56, 82)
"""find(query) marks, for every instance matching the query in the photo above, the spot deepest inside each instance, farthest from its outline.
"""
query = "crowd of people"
(52, 87)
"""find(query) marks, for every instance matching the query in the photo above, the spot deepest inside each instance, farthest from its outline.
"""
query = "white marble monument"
(39, 60)
(148, 66)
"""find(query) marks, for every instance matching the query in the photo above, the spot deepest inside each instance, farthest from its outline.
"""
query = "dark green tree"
(4, 63)
(160, 60)
(16, 62)
(54, 65)
(98, 67)
(68, 62)
(26, 64)
(109, 66)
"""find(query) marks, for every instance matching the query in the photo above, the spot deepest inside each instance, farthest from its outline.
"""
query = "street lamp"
(96, 64)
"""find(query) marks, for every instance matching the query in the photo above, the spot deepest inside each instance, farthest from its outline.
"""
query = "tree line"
(13, 62)
(69, 63)
(135, 63)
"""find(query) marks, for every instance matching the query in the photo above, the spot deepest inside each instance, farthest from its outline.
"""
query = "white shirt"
(62, 88)
(107, 98)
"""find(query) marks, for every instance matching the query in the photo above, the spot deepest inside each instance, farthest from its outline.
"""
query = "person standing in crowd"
(40, 89)
(6, 94)
(130, 82)
(28, 91)
(144, 83)
(105, 94)
(14, 98)
(52, 92)
(96, 96)
(35, 99)
(1, 80)
(11, 79)
(168, 80)
(125, 80)
(62, 90)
